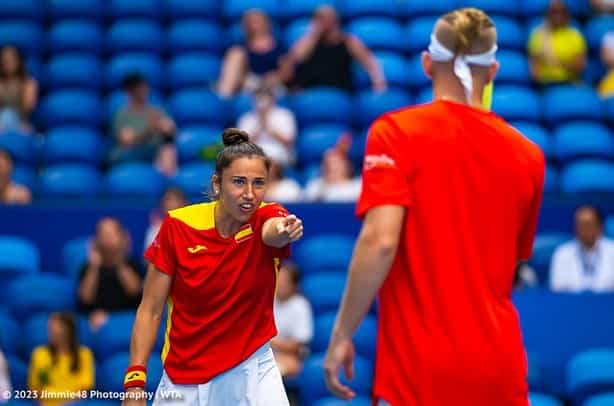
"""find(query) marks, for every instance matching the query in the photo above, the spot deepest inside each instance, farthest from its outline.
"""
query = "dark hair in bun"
(236, 145)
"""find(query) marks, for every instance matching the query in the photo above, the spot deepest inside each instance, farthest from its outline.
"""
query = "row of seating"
(39, 10)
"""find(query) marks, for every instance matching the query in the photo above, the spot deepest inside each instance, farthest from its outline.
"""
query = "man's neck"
(589, 247)
(451, 90)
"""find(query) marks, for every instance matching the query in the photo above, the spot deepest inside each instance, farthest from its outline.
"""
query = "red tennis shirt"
(220, 308)
(448, 333)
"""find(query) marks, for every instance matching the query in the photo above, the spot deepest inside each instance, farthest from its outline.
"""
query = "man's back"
(448, 332)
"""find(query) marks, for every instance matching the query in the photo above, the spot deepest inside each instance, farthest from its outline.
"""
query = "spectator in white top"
(173, 198)
(335, 183)
(294, 322)
(270, 126)
(5, 380)
(586, 263)
(280, 189)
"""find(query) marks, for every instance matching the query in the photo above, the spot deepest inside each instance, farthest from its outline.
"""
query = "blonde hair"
(466, 31)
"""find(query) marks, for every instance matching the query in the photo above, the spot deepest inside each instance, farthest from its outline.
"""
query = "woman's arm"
(30, 96)
(129, 279)
(365, 57)
(280, 231)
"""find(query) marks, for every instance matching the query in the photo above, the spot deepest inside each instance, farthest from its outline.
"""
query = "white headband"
(439, 53)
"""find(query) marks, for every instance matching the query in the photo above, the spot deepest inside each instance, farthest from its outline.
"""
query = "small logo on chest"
(196, 248)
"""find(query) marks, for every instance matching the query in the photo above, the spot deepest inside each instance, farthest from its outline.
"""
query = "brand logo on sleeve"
(378, 161)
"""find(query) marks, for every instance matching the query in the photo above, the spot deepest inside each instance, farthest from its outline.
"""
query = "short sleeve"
(269, 211)
(161, 252)
(527, 233)
(384, 181)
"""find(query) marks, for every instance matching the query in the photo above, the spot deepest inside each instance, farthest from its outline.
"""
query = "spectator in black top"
(324, 56)
(109, 280)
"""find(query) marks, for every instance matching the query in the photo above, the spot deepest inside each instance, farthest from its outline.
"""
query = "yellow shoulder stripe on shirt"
(198, 216)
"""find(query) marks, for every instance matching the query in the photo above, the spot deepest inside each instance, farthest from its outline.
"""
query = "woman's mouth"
(246, 207)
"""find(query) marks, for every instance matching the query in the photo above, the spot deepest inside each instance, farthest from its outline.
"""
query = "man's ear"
(427, 64)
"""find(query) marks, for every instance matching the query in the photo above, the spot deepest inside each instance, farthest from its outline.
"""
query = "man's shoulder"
(566, 248)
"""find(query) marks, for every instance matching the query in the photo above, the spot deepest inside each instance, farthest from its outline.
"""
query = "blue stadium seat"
(177, 9)
(494, 7)
(135, 35)
(425, 95)
(73, 144)
(70, 180)
(558, 105)
(370, 8)
(74, 255)
(31, 294)
(609, 226)
(540, 399)
(26, 35)
(147, 64)
(531, 8)
(193, 142)
(34, 67)
(589, 373)
(583, 139)
(135, 180)
(364, 338)
(10, 334)
(295, 30)
(292, 9)
(75, 36)
(322, 105)
(192, 70)
(596, 28)
(118, 9)
(71, 107)
(514, 68)
(118, 99)
(594, 71)
(197, 107)
(516, 103)
(234, 9)
(370, 105)
(606, 399)
(73, 71)
(312, 387)
(323, 290)
(418, 31)
(357, 401)
(428, 7)
(324, 252)
(551, 181)
(394, 66)
(535, 375)
(35, 332)
(510, 34)
(242, 103)
(109, 380)
(416, 77)
(26, 9)
(18, 257)
(194, 178)
(21, 147)
(25, 176)
(18, 371)
(378, 33)
(588, 176)
(195, 35)
(65, 9)
(543, 248)
(114, 336)
(315, 140)
(536, 133)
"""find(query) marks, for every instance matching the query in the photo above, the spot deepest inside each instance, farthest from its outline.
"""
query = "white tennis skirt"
(254, 382)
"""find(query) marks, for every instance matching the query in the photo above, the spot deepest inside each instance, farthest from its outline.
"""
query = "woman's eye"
(259, 183)
(238, 181)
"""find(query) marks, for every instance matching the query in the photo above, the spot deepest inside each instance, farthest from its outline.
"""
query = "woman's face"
(255, 23)
(335, 168)
(557, 15)
(242, 187)
(10, 60)
(56, 332)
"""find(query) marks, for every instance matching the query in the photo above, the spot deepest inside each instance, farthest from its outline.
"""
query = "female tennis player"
(216, 265)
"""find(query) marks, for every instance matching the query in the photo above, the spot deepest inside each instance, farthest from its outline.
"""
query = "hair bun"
(234, 136)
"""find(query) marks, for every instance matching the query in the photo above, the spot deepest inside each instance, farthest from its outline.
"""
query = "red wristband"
(136, 377)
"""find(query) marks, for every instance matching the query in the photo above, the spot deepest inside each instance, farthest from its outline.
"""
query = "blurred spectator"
(172, 199)
(254, 63)
(109, 280)
(335, 184)
(11, 192)
(270, 126)
(557, 50)
(606, 86)
(143, 131)
(18, 91)
(603, 6)
(587, 263)
(324, 56)
(294, 322)
(280, 189)
(5, 380)
(62, 365)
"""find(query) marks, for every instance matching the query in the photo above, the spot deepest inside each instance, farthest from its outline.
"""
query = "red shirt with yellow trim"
(448, 333)
(220, 307)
